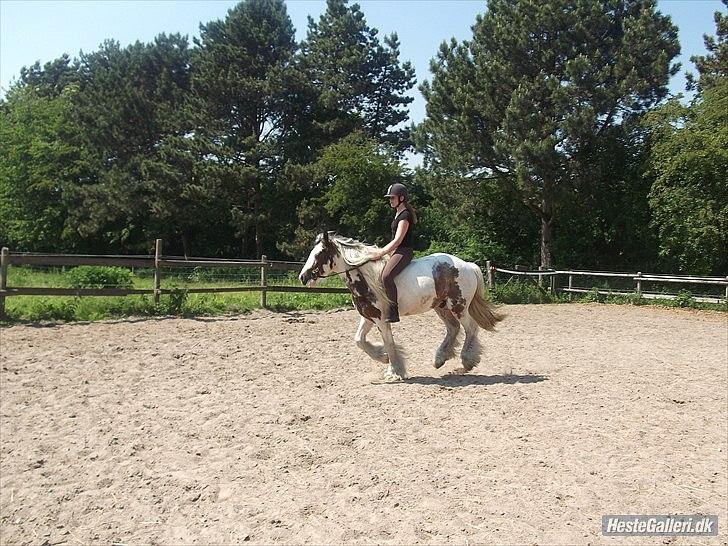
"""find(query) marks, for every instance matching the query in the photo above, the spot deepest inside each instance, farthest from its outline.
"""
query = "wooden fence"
(158, 261)
(155, 263)
(638, 278)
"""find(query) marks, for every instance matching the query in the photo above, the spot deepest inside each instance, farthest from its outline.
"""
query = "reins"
(345, 271)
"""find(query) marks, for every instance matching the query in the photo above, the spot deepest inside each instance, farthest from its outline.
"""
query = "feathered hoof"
(442, 356)
(470, 364)
(390, 377)
(458, 371)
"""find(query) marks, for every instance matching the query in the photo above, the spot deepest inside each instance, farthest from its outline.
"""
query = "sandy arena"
(274, 428)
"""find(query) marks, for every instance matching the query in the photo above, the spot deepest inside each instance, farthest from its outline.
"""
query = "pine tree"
(51, 79)
(712, 67)
(129, 101)
(540, 83)
(361, 82)
(249, 103)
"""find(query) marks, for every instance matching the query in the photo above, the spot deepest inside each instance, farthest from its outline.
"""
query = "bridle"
(319, 276)
(325, 238)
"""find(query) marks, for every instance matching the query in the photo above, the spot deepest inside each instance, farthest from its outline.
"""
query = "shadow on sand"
(457, 380)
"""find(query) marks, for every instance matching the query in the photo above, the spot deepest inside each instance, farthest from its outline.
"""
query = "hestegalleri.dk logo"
(676, 525)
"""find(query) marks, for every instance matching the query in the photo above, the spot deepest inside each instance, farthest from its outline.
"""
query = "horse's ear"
(326, 236)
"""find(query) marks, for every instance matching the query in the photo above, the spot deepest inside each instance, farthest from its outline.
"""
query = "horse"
(452, 287)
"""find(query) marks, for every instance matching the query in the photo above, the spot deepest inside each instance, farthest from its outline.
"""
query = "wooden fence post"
(263, 281)
(4, 259)
(157, 270)
(571, 284)
(639, 284)
(488, 275)
(553, 284)
(726, 291)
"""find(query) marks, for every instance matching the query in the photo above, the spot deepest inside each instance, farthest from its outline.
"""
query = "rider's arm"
(402, 228)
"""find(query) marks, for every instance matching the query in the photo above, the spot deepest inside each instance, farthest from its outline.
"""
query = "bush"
(522, 292)
(685, 299)
(593, 296)
(175, 301)
(87, 276)
(48, 309)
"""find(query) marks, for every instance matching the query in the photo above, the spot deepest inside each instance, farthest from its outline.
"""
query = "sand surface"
(273, 428)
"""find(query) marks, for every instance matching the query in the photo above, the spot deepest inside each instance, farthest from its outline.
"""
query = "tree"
(605, 221)
(712, 67)
(688, 164)
(248, 104)
(360, 82)
(345, 191)
(529, 98)
(358, 172)
(689, 196)
(476, 221)
(51, 79)
(36, 163)
(129, 103)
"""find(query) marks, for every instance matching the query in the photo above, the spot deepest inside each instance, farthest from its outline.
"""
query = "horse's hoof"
(392, 377)
(469, 365)
(439, 364)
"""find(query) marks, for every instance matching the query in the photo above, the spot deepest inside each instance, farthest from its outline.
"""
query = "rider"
(401, 246)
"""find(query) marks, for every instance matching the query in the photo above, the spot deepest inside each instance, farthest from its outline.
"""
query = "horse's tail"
(480, 309)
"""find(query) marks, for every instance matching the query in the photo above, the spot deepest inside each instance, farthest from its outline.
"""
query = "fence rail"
(158, 261)
(637, 277)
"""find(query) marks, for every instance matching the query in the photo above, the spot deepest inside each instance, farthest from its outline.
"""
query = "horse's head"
(321, 261)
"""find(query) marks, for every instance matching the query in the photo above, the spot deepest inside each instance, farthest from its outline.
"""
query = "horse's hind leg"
(376, 352)
(470, 354)
(446, 350)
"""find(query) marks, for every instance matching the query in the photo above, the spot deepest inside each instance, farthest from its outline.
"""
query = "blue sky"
(42, 30)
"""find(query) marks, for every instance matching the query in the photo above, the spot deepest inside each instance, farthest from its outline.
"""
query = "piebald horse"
(453, 288)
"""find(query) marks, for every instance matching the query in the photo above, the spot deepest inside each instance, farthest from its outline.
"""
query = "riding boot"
(393, 315)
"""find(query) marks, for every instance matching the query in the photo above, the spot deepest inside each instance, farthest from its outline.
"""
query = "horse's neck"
(363, 281)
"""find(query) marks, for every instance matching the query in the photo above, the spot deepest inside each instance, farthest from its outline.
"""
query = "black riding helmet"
(397, 190)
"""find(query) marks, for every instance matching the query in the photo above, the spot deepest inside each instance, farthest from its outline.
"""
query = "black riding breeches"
(399, 260)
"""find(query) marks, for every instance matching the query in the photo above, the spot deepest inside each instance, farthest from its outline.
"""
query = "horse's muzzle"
(305, 277)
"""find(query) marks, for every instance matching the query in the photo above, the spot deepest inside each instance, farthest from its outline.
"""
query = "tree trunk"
(185, 244)
(257, 209)
(547, 217)
(258, 239)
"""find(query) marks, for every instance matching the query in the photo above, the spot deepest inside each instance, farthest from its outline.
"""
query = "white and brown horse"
(453, 288)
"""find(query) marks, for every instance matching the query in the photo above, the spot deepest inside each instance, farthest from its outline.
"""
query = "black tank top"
(409, 238)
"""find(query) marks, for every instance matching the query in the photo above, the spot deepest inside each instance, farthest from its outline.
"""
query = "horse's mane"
(355, 253)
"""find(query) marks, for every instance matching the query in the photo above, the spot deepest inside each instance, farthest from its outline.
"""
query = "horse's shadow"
(465, 380)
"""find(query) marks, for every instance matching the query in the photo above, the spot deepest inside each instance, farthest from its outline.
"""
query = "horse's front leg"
(396, 370)
(376, 352)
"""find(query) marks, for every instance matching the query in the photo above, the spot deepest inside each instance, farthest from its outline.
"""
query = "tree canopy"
(527, 100)
(689, 196)
(360, 81)
(549, 138)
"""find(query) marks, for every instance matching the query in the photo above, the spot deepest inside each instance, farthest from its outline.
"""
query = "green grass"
(526, 292)
(180, 303)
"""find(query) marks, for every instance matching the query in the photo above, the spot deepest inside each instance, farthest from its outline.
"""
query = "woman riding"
(401, 246)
